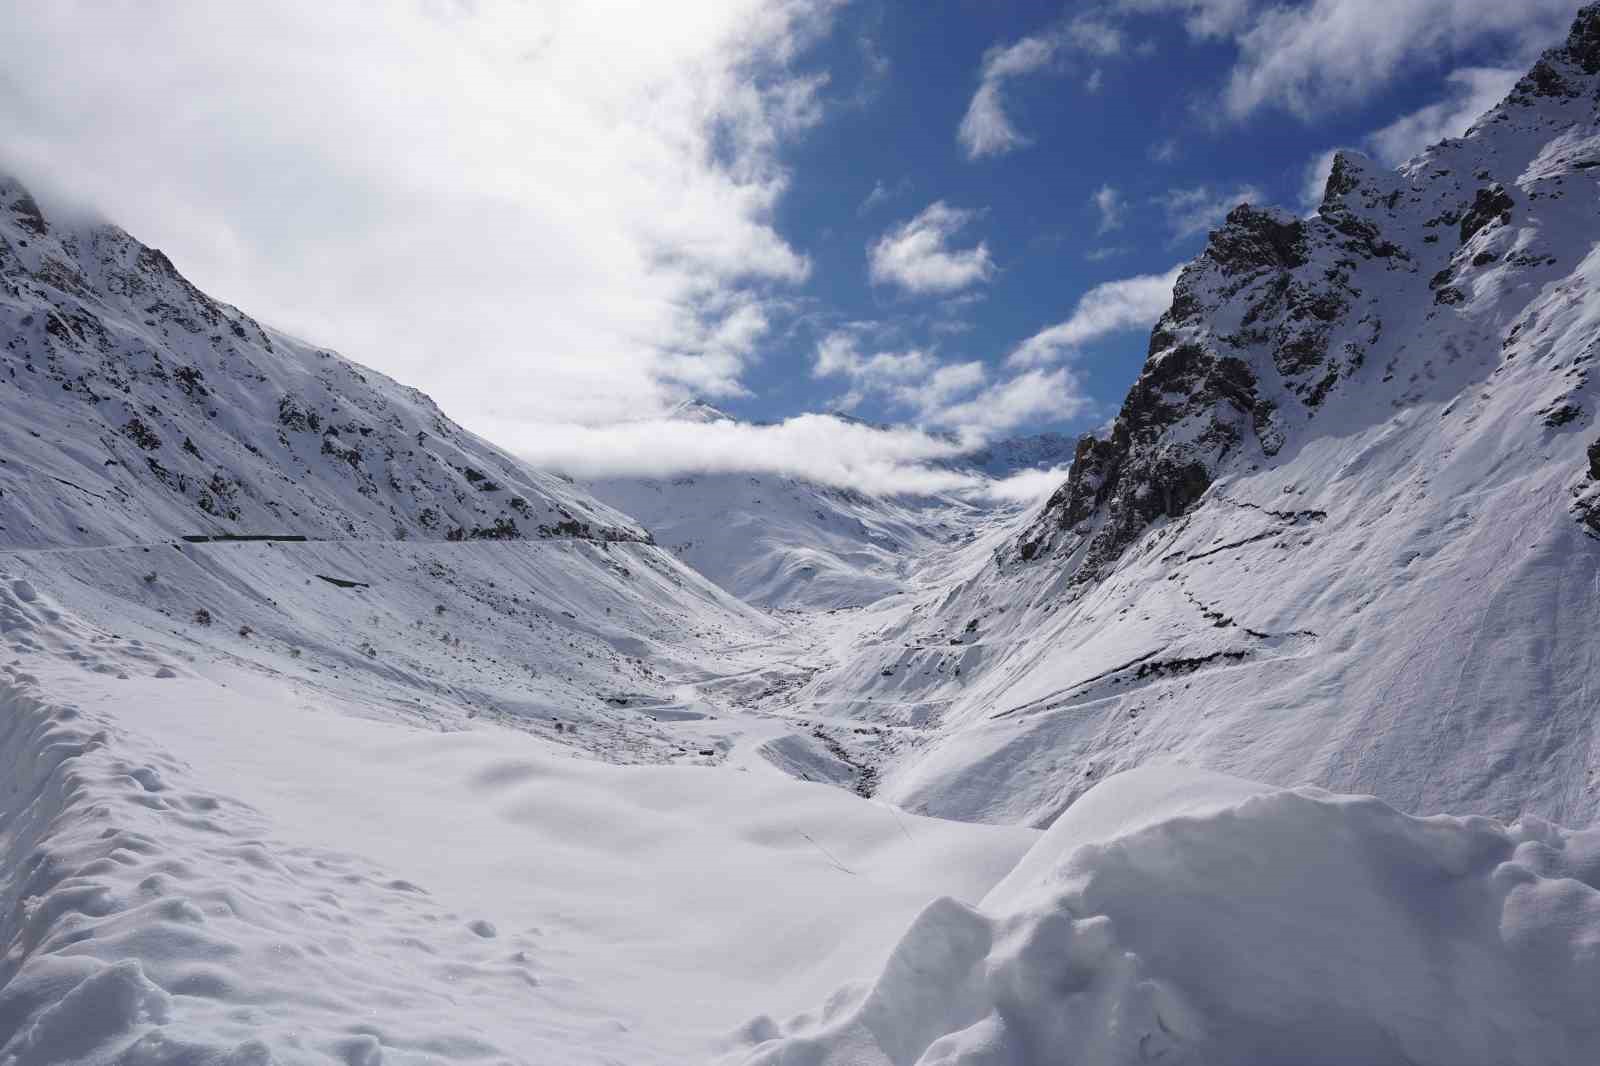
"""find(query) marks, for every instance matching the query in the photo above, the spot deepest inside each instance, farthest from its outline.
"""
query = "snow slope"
(1179, 916)
(138, 406)
(1343, 531)
(425, 573)
(311, 711)
(244, 869)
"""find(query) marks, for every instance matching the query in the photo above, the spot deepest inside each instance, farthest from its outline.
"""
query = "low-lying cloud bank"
(894, 461)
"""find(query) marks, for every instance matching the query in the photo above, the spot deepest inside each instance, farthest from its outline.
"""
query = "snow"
(458, 778)
(1182, 916)
(788, 543)
(237, 867)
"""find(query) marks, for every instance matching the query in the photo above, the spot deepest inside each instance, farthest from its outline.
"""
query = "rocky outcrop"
(1279, 311)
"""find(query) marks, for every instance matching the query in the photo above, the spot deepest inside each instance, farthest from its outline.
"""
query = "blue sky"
(563, 218)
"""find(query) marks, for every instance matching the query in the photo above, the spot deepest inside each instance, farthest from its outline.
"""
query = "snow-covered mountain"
(788, 542)
(136, 405)
(1004, 458)
(460, 779)
(179, 474)
(1345, 529)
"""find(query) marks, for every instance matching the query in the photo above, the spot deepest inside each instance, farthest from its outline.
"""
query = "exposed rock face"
(206, 421)
(1279, 311)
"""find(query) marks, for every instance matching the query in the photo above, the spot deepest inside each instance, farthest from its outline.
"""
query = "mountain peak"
(1583, 42)
(699, 411)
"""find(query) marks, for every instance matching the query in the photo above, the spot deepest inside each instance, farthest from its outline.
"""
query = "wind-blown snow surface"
(1179, 916)
(240, 869)
(1345, 530)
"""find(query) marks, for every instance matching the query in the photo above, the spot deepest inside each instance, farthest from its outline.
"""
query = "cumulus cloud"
(573, 199)
(933, 395)
(1192, 212)
(917, 256)
(986, 129)
(954, 396)
(1028, 397)
(1313, 57)
(913, 381)
(1112, 307)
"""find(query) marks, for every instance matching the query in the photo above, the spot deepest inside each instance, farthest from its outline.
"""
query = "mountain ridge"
(1342, 531)
(108, 343)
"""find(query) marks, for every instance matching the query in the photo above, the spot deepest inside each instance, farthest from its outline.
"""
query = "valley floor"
(317, 830)
(221, 863)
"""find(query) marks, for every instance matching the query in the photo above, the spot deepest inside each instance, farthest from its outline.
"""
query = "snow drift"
(1180, 916)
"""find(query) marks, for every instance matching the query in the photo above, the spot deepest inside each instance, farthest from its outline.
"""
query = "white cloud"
(1313, 57)
(1314, 180)
(916, 256)
(821, 448)
(932, 395)
(1111, 307)
(1094, 35)
(1192, 212)
(558, 211)
(1108, 201)
(1163, 151)
(952, 396)
(914, 380)
(1029, 486)
(986, 129)
(1032, 396)
(882, 194)
(839, 354)
(827, 450)
(1472, 91)
(1095, 81)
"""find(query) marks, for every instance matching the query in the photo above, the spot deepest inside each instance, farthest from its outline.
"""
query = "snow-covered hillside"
(1344, 529)
(138, 406)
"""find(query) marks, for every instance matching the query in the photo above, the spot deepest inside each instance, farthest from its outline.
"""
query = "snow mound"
(1181, 916)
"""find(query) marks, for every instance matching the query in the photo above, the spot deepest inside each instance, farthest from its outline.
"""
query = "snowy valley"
(334, 732)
